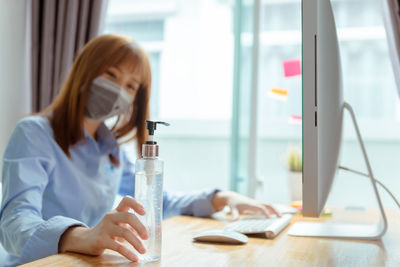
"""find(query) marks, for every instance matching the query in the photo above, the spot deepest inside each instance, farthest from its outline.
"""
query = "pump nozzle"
(152, 125)
(150, 147)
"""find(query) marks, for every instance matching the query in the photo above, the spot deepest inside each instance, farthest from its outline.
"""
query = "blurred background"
(191, 47)
(227, 131)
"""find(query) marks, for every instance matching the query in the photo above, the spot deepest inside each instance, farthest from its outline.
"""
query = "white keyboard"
(257, 225)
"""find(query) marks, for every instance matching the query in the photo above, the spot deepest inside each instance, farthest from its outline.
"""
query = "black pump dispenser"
(152, 125)
(150, 147)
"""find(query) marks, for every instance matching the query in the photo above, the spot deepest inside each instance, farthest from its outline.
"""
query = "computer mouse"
(221, 236)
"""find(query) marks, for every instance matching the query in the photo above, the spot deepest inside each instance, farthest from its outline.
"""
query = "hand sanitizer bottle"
(149, 192)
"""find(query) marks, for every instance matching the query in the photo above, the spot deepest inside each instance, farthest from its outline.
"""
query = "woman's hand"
(240, 204)
(118, 225)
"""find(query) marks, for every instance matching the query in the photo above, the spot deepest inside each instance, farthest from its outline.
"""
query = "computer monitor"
(323, 108)
(322, 103)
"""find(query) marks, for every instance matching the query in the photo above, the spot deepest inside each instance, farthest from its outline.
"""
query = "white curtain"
(15, 81)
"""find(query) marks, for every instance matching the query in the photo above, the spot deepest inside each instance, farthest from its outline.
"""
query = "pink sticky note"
(295, 119)
(292, 67)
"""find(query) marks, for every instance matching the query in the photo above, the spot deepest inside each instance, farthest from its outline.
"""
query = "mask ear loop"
(116, 123)
(124, 118)
(128, 113)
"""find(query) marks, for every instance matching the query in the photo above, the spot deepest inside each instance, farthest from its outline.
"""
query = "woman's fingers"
(128, 236)
(268, 211)
(132, 220)
(272, 210)
(265, 211)
(255, 208)
(130, 203)
(121, 249)
(235, 213)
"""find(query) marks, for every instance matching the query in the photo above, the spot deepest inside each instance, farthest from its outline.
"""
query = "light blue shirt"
(45, 192)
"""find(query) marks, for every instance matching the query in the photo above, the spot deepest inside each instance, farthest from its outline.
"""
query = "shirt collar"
(106, 139)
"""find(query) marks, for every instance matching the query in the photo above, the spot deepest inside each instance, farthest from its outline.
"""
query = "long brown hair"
(66, 112)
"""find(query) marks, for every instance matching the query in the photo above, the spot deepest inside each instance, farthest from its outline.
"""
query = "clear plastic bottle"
(149, 192)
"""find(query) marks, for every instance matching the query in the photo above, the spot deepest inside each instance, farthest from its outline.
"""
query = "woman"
(63, 167)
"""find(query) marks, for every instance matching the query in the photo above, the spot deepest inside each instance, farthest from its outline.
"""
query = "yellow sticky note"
(278, 93)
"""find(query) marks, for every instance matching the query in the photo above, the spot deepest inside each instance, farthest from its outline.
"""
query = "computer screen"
(322, 103)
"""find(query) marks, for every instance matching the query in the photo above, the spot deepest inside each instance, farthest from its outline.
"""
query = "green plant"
(294, 161)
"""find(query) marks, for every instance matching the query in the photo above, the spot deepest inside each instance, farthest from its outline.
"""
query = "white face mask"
(106, 99)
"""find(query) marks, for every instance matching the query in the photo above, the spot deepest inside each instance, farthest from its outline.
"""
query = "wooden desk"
(284, 250)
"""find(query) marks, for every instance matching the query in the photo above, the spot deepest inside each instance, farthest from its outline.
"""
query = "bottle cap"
(150, 151)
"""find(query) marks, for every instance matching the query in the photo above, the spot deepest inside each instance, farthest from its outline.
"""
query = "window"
(192, 52)
(190, 47)
(368, 85)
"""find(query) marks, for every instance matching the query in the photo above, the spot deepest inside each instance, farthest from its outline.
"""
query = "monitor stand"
(349, 231)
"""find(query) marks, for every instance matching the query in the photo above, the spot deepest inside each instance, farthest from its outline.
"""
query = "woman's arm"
(205, 203)
(197, 203)
(26, 164)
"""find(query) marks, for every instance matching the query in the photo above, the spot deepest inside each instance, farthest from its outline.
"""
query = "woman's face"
(123, 76)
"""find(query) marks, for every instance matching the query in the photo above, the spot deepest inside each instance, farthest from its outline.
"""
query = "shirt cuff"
(44, 241)
(202, 207)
